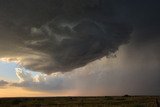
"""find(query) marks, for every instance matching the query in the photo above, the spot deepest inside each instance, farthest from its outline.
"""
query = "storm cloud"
(58, 35)
(127, 73)
(82, 36)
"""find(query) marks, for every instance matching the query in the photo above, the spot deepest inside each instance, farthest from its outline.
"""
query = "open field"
(106, 101)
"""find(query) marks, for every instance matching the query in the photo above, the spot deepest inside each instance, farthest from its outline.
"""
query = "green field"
(106, 101)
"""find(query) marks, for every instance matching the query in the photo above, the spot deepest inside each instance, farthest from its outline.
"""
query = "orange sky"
(20, 92)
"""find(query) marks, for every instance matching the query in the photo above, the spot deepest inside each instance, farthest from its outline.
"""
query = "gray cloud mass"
(76, 33)
(3, 83)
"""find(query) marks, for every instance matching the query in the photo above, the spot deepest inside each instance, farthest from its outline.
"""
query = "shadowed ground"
(107, 101)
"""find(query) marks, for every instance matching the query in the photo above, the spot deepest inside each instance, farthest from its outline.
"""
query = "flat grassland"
(106, 101)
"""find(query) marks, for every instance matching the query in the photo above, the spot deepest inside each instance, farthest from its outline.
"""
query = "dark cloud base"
(55, 35)
(59, 35)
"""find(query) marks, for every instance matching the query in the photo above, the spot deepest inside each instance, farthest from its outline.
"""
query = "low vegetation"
(106, 101)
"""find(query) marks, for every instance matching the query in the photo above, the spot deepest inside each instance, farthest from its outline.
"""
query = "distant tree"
(126, 95)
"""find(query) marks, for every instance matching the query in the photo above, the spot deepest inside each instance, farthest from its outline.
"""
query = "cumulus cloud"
(23, 76)
(43, 82)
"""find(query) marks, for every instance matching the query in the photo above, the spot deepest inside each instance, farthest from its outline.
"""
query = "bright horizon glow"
(20, 92)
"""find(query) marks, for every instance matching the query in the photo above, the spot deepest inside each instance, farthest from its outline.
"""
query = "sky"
(79, 47)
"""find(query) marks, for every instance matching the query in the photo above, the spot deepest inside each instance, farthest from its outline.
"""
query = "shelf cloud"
(76, 33)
